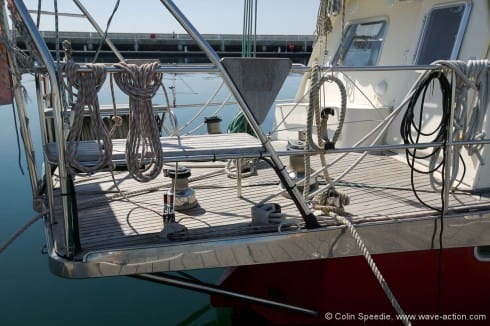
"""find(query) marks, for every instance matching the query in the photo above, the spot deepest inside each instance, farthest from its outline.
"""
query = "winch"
(213, 124)
(185, 197)
(296, 167)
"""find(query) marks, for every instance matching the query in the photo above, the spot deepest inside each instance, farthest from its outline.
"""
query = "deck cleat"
(266, 214)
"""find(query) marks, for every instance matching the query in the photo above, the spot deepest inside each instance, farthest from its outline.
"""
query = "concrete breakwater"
(179, 48)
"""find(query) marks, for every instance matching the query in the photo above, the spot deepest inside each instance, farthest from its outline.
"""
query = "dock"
(178, 48)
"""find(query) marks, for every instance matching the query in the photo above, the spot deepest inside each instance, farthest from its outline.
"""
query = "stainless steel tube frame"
(214, 58)
(24, 128)
(449, 149)
(56, 96)
(99, 30)
(44, 135)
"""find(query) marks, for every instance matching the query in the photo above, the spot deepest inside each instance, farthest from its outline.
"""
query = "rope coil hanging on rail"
(412, 129)
(88, 85)
(144, 155)
(314, 113)
(317, 81)
(467, 122)
(468, 118)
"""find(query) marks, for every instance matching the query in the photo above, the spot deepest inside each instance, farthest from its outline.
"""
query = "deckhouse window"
(442, 33)
(361, 45)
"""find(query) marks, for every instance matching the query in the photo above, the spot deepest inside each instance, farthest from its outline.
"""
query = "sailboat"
(367, 202)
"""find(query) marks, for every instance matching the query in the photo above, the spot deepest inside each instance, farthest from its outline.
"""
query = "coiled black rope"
(411, 129)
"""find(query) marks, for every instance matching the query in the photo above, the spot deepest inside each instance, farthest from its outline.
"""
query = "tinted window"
(361, 45)
(440, 35)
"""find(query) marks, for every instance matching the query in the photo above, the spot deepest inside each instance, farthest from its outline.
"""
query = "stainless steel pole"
(45, 55)
(99, 30)
(212, 289)
(449, 150)
(24, 128)
(44, 133)
(280, 169)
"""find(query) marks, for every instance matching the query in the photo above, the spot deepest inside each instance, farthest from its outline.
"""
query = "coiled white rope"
(314, 112)
(468, 119)
(471, 74)
(144, 155)
(88, 85)
(479, 71)
(314, 107)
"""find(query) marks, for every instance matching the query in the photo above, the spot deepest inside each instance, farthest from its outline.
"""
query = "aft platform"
(176, 149)
(120, 232)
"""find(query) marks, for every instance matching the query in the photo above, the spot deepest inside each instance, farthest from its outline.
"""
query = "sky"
(208, 16)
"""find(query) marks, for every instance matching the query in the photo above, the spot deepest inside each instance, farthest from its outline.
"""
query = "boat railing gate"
(216, 65)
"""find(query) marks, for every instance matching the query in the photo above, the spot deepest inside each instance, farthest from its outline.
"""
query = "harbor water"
(31, 295)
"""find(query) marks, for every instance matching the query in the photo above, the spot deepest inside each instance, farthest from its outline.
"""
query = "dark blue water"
(31, 295)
